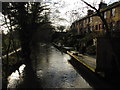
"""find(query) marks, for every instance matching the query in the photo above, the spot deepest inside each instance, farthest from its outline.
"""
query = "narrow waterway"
(53, 70)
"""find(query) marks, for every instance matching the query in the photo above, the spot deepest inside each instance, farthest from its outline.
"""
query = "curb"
(89, 67)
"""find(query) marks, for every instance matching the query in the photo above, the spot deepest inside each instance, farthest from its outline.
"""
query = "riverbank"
(89, 62)
(86, 60)
(11, 65)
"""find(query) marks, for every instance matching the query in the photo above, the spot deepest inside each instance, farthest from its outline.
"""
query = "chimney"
(102, 5)
(89, 12)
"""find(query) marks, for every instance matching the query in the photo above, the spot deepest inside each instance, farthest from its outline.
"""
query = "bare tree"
(108, 33)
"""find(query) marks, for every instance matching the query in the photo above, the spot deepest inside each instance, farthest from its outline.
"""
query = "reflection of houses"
(92, 22)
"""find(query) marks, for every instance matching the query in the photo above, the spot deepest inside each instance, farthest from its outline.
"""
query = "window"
(96, 27)
(92, 27)
(105, 15)
(99, 26)
(113, 12)
(87, 20)
(103, 26)
(91, 19)
(112, 26)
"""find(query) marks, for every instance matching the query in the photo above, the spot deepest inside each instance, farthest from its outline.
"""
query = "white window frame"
(105, 14)
(113, 12)
(91, 19)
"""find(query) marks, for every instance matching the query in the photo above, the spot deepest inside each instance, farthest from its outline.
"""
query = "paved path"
(88, 61)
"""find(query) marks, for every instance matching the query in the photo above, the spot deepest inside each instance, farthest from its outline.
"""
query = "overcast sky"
(71, 9)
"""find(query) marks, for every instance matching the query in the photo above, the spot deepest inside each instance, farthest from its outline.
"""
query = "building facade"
(93, 23)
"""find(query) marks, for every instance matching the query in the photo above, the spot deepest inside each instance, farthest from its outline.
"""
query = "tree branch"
(108, 35)
(89, 5)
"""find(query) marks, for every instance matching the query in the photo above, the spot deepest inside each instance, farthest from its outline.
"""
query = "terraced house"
(107, 52)
(93, 23)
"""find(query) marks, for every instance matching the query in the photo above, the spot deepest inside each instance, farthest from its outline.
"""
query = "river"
(53, 70)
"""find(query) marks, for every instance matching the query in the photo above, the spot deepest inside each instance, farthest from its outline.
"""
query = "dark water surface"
(52, 69)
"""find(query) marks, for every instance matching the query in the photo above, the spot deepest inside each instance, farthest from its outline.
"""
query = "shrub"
(91, 50)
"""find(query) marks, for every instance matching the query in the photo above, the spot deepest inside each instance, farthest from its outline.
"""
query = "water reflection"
(67, 57)
(21, 68)
(52, 69)
(16, 77)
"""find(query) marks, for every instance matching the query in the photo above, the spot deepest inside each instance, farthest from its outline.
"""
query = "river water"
(52, 68)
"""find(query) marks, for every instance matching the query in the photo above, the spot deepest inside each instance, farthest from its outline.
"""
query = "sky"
(64, 12)
(70, 10)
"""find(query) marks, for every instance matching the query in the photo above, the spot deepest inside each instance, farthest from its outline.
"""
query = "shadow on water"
(30, 79)
(47, 53)
(93, 79)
